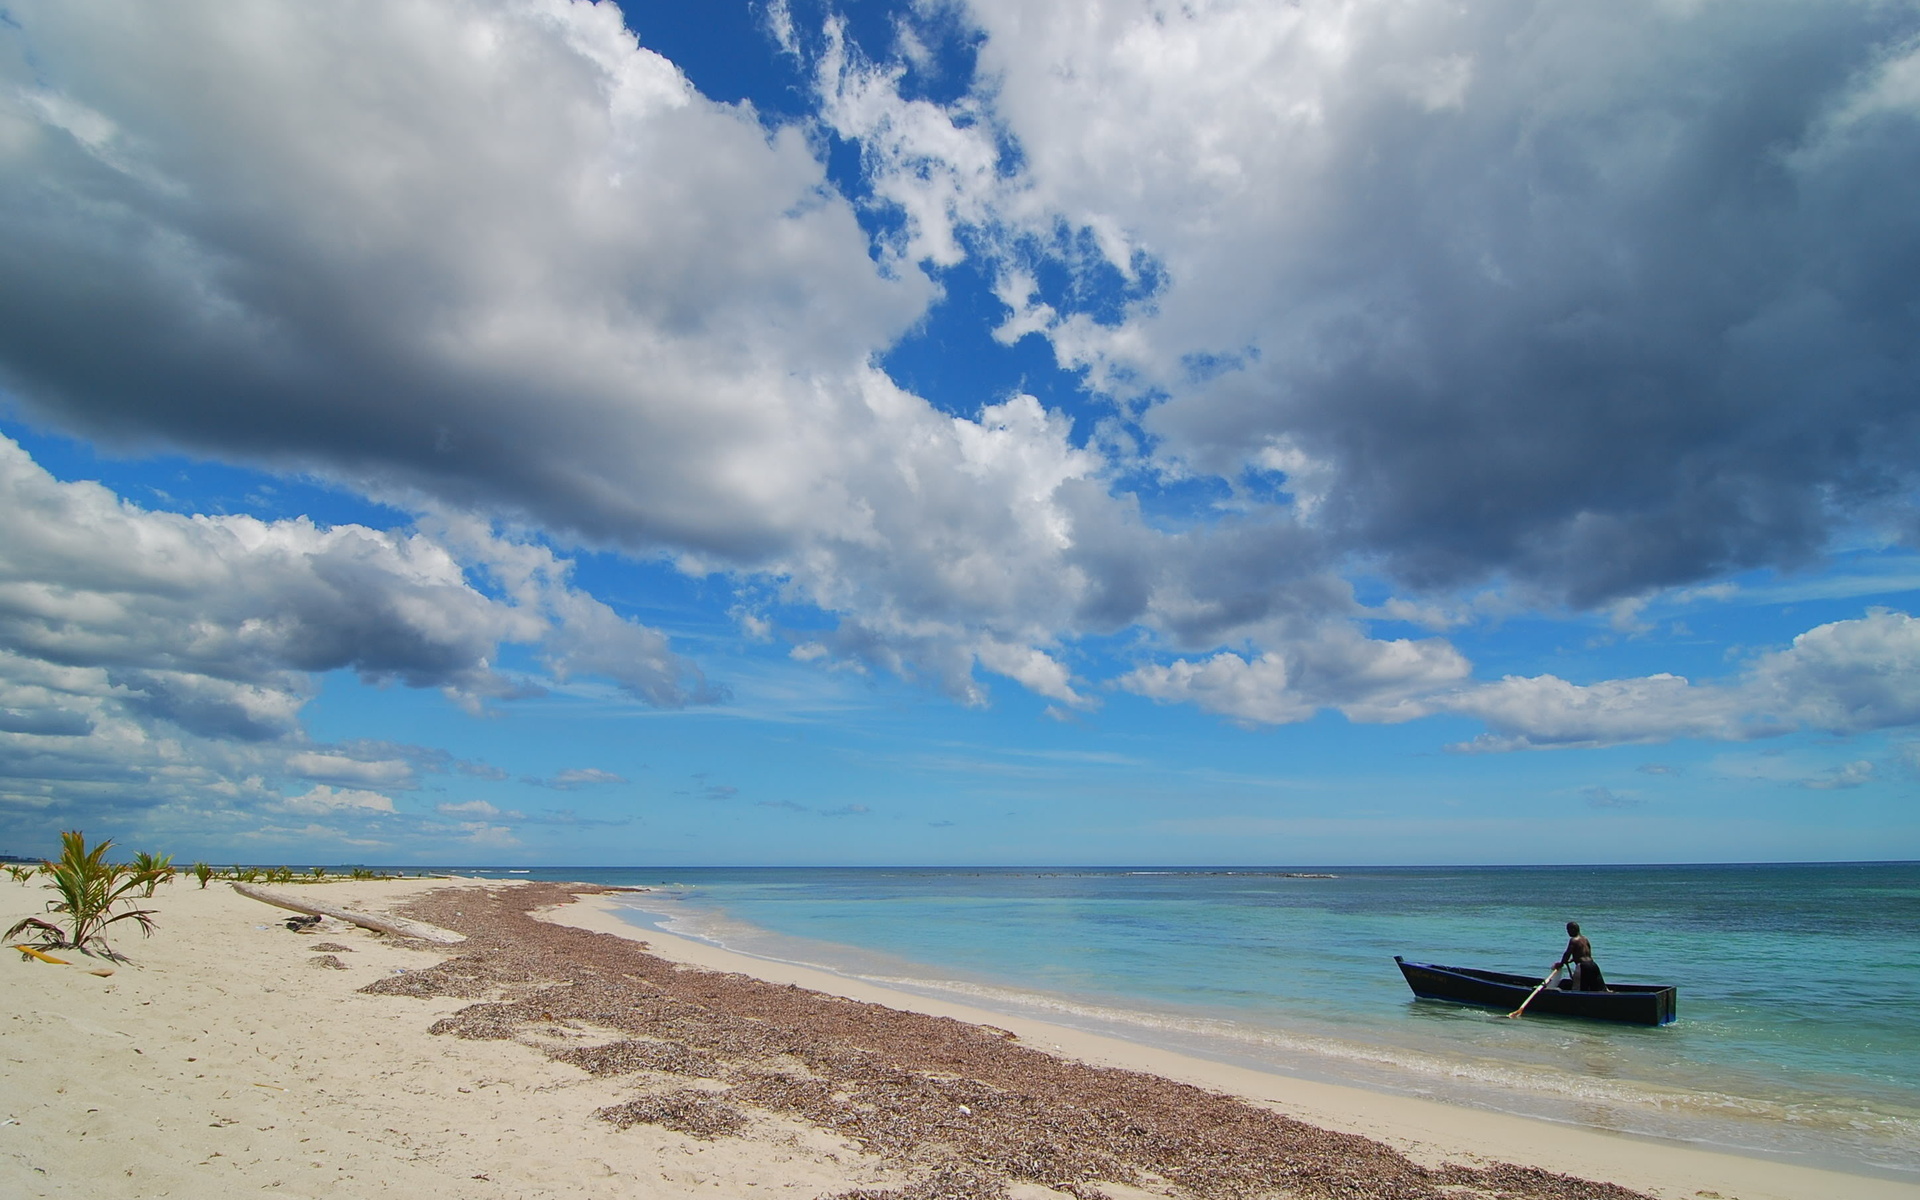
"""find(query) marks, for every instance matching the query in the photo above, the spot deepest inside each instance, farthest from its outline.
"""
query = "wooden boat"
(1633, 1003)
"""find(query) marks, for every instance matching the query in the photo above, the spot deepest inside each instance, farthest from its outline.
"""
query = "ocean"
(1799, 1004)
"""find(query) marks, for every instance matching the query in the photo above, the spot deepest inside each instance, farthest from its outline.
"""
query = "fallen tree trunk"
(396, 926)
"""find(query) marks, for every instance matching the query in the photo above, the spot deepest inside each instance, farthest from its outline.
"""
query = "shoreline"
(1295, 978)
(543, 1060)
(1427, 1130)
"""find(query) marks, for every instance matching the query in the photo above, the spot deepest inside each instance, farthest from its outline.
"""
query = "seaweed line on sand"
(964, 1108)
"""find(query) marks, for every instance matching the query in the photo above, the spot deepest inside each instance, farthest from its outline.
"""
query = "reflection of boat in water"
(1633, 1003)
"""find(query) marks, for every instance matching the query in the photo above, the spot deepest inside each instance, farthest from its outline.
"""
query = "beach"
(551, 1054)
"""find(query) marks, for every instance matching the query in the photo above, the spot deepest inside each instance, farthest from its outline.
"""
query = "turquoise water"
(1799, 1012)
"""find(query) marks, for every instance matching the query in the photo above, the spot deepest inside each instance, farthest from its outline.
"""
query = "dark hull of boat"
(1632, 1003)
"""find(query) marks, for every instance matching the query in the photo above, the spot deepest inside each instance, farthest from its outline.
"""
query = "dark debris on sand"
(964, 1107)
(689, 1111)
(630, 1057)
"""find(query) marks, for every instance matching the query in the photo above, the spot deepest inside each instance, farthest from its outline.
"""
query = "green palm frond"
(88, 890)
(152, 869)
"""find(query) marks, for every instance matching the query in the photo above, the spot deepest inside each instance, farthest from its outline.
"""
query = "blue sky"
(532, 432)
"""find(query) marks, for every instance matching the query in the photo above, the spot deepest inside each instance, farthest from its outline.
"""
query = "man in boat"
(1583, 974)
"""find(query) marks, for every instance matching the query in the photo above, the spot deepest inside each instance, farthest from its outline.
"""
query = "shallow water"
(1799, 1012)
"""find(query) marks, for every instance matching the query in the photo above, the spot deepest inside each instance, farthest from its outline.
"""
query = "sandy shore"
(232, 1056)
(1427, 1131)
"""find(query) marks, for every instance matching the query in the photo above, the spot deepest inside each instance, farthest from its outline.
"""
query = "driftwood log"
(396, 926)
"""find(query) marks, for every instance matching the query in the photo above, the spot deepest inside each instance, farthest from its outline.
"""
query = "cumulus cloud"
(527, 271)
(940, 166)
(1843, 677)
(1848, 676)
(324, 799)
(1545, 710)
(470, 808)
(1598, 299)
(1594, 299)
(163, 658)
(342, 768)
(1368, 680)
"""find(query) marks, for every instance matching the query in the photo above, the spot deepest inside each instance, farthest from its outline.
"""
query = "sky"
(525, 432)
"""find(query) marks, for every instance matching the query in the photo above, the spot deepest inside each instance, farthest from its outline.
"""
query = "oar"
(1535, 992)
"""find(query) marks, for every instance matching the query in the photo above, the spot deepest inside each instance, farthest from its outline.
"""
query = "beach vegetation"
(318, 873)
(280, 875)
(202, 872)
(22, 874)
(152, 869)
(91, 894)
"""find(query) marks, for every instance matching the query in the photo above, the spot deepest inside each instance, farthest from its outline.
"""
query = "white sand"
(1425, 1130)
(222, 1063)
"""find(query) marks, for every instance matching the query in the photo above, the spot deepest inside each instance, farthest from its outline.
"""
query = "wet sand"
(537, 1059)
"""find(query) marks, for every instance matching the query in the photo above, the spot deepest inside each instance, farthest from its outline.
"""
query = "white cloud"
(779, 19)
(1368, 680)
(939, 166)
(1847, 676)
(523, 269)
(476, 808)
(1461, 272)
(161, 659)
(339, 768)
(211, 620)
(1226, 683)
(1413, 264)
(1546, 710)
(1842, 677)
(324, 799)
(527, 271)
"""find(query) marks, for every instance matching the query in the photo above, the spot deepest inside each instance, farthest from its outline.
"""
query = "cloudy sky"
(961, 431)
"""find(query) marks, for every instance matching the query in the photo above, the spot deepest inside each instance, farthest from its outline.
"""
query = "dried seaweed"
(694, 1113)
(944, 1183)
(966, 1108)
(628, 1057)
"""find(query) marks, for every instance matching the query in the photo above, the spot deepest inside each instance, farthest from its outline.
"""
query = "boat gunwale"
(1526, 984)
(1634, 1004)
